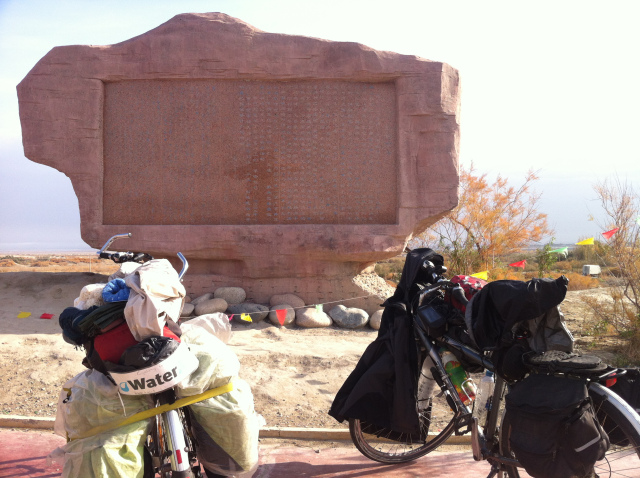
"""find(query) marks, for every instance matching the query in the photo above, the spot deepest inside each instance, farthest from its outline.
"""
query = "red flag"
(282, 315)
(608, 234)
(519, 264)
(231, 317)
(46, 316)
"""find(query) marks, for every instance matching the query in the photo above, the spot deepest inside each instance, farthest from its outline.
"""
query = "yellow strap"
(183, 402)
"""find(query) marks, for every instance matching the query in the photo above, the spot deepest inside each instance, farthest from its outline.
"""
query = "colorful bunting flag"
(231, 317)
(246, 317)
(561, 250)
(23, 315)
(586, 242)
(282, 315)
(484, 275)
(607, 235)
(319, 308)
(519, 264)
(46, 316)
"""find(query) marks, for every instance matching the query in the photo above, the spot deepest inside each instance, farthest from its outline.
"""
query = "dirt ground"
(294, 372)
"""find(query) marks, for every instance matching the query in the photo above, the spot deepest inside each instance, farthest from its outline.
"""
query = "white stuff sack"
(156, 295)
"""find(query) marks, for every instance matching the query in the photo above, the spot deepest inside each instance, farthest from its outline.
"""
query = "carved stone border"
(61, 101)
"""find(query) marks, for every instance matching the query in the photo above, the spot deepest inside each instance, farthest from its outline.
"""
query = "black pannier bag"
(554, 430)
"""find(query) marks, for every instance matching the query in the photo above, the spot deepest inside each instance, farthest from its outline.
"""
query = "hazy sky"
(547, 85)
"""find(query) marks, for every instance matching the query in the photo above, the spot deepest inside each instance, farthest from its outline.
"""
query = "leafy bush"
(502, 273)
(390, 269)
(568, 266)
(621, 311)
(16, 259)
(580, 282)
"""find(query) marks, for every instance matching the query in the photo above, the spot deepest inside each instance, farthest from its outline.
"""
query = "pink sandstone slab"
(278, 163)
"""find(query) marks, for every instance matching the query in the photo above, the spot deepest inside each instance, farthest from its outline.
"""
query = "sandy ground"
(294, 372)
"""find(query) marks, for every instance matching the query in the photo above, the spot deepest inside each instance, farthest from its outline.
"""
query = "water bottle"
(484, 397)
(464, 385)
(426, 385)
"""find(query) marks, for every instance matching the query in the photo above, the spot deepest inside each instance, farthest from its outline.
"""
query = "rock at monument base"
(211, 306)
(232, 295)
(290, 299)
(202, 298)
(187, 310)
(374, 320)
(312, 318)
(349, 318)
(289, 318)
(309, 290)
(258, 312)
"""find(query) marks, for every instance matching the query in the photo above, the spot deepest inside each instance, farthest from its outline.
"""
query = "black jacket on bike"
(381, 389)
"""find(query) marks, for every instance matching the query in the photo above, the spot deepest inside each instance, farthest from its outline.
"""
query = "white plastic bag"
(89, 400)
(229, 420)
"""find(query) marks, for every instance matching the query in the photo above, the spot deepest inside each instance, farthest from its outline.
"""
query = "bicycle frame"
(482, 441)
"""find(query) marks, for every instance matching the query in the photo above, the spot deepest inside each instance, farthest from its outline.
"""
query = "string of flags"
(586, 242)
(24, 315)
(244, 316)
(281, 314)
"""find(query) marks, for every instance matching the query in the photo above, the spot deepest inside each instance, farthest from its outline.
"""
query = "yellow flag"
(586, 242)
(23, 315)
(484, 275)
(246, 317)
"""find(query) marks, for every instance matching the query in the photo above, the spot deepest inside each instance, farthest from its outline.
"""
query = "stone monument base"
(327, 291)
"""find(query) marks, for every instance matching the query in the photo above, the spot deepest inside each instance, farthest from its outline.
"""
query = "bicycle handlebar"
(440, 282)
(139, 257)
(121, 257)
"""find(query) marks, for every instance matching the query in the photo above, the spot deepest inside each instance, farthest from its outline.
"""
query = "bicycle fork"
(174, 437)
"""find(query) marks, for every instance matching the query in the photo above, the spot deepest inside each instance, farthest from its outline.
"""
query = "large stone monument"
(276, 163)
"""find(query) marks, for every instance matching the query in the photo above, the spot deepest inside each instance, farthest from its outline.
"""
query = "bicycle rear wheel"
(623, 457)
(386, 446)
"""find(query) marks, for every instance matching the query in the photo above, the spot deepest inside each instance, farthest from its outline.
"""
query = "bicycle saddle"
(555, 361)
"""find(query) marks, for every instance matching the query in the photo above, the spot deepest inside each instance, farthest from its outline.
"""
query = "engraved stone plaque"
(250, 152)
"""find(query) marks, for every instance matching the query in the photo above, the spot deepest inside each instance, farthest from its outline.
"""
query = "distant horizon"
(53, 248)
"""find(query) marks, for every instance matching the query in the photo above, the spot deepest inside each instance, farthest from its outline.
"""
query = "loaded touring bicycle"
(550, 413)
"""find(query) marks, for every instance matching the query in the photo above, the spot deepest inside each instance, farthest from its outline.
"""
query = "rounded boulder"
(312, 318)
(202, 298)
(233, 295)
(290, 299)
(187, 310)
(349, 318)
(210, 306)
(375, 319)
(257, 312)
(289, 317)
